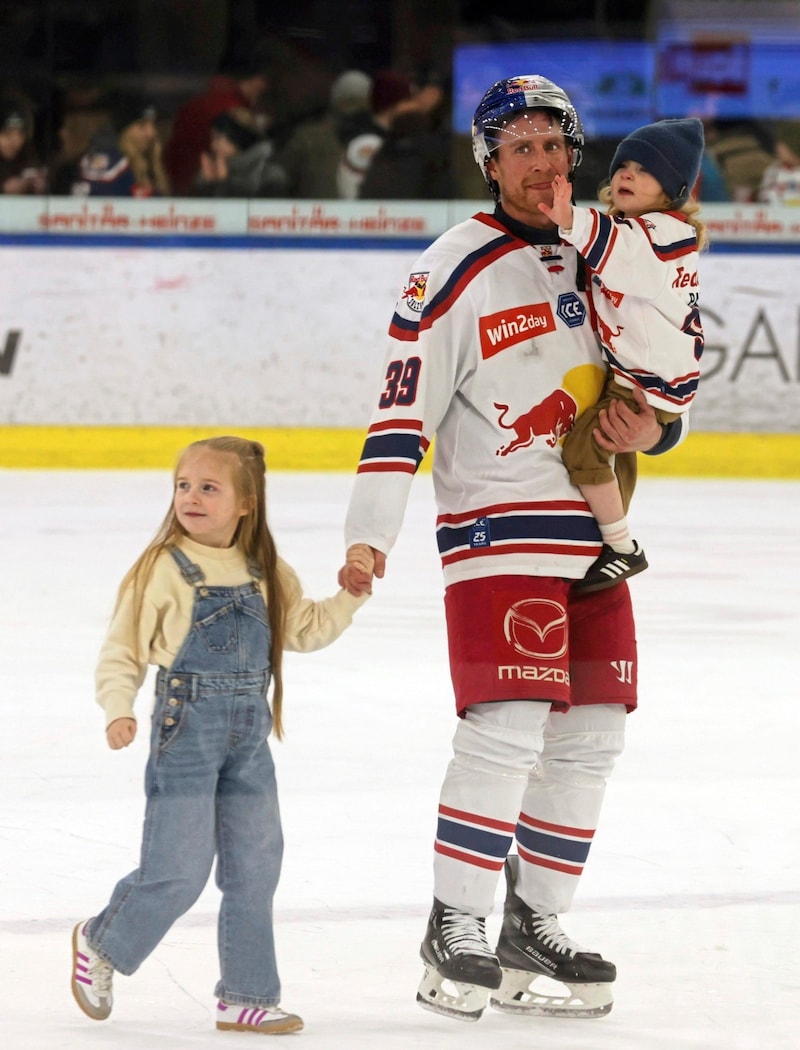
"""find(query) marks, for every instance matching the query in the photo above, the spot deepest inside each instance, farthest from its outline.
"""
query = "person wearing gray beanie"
(642, 261)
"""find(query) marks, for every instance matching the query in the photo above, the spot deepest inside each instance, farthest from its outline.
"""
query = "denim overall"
(210, 787)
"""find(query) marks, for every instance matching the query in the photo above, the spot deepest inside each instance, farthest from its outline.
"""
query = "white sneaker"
(92, 977)
(268, 1020)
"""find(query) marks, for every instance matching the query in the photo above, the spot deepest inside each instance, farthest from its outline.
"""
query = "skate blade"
(539, 996)
(464, 1002)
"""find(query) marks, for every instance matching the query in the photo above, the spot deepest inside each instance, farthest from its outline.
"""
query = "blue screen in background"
(729, 79)
(618, 86)
(610, 83)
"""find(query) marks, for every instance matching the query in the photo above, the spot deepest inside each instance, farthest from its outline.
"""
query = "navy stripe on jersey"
(679, 391)
(404, 329)
(553, 846)
(473, 839)
(393, 445)
(562, 525)
(677, 249)
(604, 233)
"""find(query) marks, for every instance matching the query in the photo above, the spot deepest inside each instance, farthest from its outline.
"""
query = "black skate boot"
(533, 947)
(611, 567)
(460, 967)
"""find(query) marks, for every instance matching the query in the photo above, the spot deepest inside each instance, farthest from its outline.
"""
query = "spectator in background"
(124, 156)
(780, 183)
(315, 149)
(743, 149)
(413, 161)
(390, 90)
(78, 127)
(710, 186)
(240, 162)
(20, 170)
(243, 88)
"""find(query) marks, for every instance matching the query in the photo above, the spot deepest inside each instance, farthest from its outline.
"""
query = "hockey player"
(491, 348)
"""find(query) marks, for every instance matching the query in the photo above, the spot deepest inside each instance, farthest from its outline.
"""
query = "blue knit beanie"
(670, 150)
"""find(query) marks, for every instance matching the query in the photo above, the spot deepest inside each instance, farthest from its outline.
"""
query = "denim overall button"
(173, 702)
(175, 681)
(169, 721)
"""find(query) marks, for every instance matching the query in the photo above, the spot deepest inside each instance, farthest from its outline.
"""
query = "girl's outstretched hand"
(362, 562)
(120, 733)
(561, 211)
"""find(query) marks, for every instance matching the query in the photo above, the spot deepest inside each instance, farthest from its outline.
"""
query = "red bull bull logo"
(550, 419)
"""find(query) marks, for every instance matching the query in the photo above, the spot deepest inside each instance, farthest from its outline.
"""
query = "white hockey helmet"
(505, 100)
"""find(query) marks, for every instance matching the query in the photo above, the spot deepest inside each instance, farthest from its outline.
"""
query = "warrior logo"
(537, 627)
(551, 419)
(414, 295)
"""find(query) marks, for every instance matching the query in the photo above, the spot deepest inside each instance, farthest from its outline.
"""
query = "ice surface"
(693, 887)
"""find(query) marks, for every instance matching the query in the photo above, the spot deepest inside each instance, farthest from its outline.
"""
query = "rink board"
(297, 448)
(130, 329)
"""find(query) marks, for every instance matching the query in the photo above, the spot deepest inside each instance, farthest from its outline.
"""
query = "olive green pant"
(587, 463)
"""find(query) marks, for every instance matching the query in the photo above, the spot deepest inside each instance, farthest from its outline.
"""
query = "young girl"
(642, 260)
(213, 606)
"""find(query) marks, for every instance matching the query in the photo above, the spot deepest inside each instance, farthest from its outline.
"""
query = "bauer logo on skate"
(517, 325)
(536, 627)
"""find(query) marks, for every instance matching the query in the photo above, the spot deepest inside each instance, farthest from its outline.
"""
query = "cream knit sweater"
(166, 617)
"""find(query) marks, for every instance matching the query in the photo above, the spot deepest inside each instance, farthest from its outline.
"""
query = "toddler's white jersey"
(645, 290)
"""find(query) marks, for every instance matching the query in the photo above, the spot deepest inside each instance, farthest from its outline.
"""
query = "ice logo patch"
(571, 310)
(479, 534)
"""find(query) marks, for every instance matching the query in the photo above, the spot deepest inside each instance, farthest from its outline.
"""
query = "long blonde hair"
(146, 165)
(689, 209)
(252, 537)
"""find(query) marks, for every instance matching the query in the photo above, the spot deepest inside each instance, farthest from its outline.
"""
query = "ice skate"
(92, 977)
(265, 1020)
(544, 972)
(460, 967)
(611, 567)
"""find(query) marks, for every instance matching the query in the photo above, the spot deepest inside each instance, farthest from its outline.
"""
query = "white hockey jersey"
(644, 288)
(491, 349)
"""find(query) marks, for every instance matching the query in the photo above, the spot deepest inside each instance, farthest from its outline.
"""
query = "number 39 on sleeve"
(402, 379)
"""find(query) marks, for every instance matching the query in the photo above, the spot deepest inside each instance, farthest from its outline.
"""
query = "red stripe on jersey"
(396, 424)
(540, 506)
(468, 858)
(466, 278)
(612, 237)
(553, 865)
(387, 466)
(473, 818)
(559, 829)
(582, 550)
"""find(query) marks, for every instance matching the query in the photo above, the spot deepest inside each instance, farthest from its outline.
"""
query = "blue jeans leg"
(249, 856)
(178, 839)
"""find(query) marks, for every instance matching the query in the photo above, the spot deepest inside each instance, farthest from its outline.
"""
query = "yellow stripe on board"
(309, 448)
